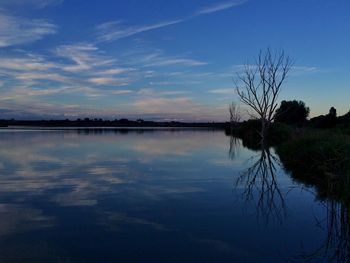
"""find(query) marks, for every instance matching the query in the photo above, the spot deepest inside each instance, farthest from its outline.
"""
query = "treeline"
(291, 119)
(296, 113)
(87, 122)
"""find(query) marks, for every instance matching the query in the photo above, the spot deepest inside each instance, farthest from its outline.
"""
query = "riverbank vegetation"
(315, 151)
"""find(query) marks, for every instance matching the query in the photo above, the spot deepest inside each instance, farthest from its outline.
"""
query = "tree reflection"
(262, 189)
(235, 144)
(260, 186)
(336, 245)
(332, 191)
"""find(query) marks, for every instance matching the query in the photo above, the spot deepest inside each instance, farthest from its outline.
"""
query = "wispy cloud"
(179, 108)
(109, 81)
(115, 71)
(157, 58)
(176, 61)
(149, 92)
(114, 30)
(121, 91)
(219, 7)
(84, 55)
(224, 91)
(27, 76)
(17, 30)
(170, 105)
(42, 76)
(302, 70)
(26, 63)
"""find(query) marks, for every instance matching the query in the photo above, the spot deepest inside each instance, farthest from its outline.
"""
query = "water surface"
(152, 196)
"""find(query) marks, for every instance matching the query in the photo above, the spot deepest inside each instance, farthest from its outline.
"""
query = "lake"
(156, 196)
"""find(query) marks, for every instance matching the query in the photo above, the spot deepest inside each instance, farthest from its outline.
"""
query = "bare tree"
(235, 115)
(260, 84)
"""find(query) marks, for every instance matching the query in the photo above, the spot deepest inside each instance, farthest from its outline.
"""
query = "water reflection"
(235, 145)
(262, 188)
(158, 196)
(336, 244)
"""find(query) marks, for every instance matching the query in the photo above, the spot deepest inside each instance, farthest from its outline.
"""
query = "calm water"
(152, 196)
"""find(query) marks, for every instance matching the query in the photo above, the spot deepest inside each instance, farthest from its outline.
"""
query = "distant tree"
(331, 118)
(259, 85)
(235, 115)
(332, 112)
(292, 112)
(326, 121)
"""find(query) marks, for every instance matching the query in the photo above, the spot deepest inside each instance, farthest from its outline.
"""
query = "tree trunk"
(264, 130)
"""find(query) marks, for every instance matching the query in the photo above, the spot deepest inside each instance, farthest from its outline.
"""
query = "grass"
(321, 159)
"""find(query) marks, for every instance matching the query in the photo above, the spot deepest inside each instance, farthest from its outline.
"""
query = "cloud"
(176, 61)
(170, 105)
(173, 105)
(152, 93)
(302, 70)
(27, 77)
(84, 55)
(26, 63)
(224, 91)
(120, 92)
(16, 30)
(156, 58)
(109, 81)
(43, 76)
(219, 7)
(114, 30)
(115, 71)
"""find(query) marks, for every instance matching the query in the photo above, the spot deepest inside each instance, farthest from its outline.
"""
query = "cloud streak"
(224, 91)
(115, 30)
(156, 58)
(219, 7)
(84, 55)
(17, 30)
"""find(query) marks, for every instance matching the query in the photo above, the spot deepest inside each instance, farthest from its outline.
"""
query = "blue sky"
(171, 60)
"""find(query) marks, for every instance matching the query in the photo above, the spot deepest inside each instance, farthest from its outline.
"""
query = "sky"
(165, 60)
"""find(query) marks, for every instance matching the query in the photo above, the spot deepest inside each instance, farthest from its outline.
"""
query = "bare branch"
(261, 85)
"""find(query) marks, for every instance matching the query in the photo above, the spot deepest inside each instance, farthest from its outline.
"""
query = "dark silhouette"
(325, 121)
(99, 123)
(261, 187)
(292, 112)
(344, 120)
(235, 115)
(235, 144)
(261, 85)
(332, 112)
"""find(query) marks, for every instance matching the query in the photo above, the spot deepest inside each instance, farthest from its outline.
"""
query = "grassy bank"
(316, 157)
(321, 159)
